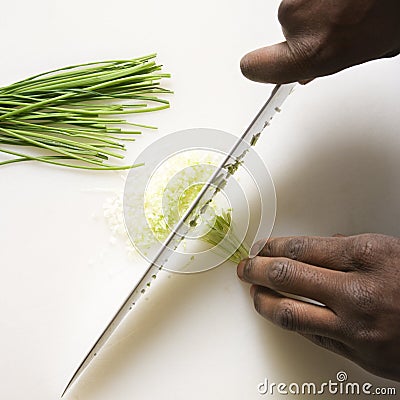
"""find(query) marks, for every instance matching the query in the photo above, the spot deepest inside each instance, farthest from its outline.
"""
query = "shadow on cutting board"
(341, 187)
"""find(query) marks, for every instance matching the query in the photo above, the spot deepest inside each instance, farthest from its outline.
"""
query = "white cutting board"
(333, 153)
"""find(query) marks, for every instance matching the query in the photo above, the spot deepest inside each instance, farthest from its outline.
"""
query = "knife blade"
(215, 183)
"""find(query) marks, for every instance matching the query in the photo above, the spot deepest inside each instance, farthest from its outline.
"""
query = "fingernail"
(240, 269)
(257, 247)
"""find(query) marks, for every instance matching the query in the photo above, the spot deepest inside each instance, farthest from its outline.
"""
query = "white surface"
(334, 156)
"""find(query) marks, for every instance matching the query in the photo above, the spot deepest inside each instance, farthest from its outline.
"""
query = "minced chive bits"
(73, 116)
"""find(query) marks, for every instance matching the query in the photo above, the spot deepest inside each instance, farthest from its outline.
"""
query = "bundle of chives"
(71, 114)
(222, 232)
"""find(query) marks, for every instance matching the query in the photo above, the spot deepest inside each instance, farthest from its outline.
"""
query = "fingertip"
(252, 290)
(271, 64)
(247, 65)
(259, 65)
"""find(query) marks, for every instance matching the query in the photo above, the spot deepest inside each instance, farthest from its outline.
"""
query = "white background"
(333, 153)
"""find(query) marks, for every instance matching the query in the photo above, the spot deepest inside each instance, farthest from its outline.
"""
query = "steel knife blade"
(215, 183)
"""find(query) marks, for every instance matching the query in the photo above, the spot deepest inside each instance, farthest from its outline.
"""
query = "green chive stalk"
(222, 232)
(73, 116)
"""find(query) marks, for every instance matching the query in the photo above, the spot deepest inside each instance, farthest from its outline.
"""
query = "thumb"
(275, 64)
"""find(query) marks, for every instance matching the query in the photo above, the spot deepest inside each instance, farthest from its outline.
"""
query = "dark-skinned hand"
(356, 277)
(324, 37)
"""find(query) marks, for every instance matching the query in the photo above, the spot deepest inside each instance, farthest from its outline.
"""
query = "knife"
(216, 182)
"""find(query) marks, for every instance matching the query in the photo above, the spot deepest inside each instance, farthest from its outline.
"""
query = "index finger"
(327, 252)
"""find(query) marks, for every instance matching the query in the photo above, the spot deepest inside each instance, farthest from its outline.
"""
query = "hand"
(356, 277)
(324, 37)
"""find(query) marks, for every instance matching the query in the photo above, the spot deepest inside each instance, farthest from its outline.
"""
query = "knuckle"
(281, 273)
(286, 316)
(364, 250)
(286, 10)
(297, 247)
(362, 298)
(311, 52)
(303, 54)
(366, 247)
(269, 247)
(362, 295)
